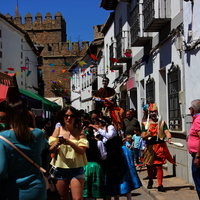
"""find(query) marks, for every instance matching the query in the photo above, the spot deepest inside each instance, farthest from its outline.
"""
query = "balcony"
(157, 13)
(123, 49)
(138, 37)
(109, 4)
(112, 51)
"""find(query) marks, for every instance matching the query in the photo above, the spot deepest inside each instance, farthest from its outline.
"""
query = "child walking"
(136, 141)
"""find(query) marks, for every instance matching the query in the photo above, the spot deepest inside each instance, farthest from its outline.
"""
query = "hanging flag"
(24, 68)
(28, 73)
(114, 60)
(81, 63)
(88, 73)
(67, 64)
(17, 73)
(11, 69)
(93, 57)
(59, 81)
(72, 78)
(112, 71)
(83, 75)
(53, 81)
(64, 70)
(52, 64)
(53, 71)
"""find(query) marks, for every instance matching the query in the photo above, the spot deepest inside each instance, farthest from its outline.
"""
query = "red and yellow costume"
(156, 151)
(116, 113)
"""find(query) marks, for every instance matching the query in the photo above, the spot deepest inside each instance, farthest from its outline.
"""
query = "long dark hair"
(20, 120)
(74, 111)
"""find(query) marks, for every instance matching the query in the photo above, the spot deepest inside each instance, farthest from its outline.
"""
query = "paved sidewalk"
(176, 188)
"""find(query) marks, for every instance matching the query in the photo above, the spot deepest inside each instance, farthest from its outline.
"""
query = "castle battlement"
(48, 23)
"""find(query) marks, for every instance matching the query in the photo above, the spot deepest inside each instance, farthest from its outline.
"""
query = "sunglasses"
(66, 116)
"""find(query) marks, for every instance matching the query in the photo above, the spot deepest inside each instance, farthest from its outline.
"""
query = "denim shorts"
(77, 173)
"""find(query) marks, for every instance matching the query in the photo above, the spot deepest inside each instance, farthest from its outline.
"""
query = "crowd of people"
(88, 155)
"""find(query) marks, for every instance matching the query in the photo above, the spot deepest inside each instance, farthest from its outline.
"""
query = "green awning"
(48, 105)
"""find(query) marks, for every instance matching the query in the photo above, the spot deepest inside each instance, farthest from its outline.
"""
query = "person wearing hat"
(155, 131)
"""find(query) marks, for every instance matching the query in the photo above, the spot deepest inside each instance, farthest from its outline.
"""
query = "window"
(0, 54)
(150, 90)
(173, 98)
(0, 33)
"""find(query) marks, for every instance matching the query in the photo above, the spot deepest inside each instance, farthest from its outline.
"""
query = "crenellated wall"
(50, 34)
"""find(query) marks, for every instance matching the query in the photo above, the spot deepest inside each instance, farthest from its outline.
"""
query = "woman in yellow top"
(68, 149)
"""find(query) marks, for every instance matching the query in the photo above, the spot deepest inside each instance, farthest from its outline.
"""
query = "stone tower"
(57, 54)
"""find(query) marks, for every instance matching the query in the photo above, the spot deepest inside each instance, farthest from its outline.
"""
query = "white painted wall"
(13, 46)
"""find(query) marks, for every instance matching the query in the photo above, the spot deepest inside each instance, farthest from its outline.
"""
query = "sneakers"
(161, 189)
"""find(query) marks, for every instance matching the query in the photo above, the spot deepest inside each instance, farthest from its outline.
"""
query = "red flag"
(93, 57)
(114, 60)
(11, 69)
(24, 68)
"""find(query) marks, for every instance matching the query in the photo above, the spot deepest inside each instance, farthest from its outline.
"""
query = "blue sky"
(79, 15)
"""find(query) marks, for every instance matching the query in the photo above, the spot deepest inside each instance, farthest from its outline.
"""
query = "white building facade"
(164, 39)
(18, 55)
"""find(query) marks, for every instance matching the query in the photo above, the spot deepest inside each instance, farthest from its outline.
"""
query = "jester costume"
(156, 152)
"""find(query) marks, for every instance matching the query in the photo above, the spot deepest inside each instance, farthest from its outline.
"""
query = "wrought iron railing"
(173, 98)
(148, 11)
(119, 45)
(134, 22)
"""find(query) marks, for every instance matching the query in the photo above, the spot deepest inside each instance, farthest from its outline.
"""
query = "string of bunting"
(81, 63)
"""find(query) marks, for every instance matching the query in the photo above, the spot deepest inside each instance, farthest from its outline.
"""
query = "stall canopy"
(3, 92)
(48, 105)
(58, 100)
(8, 88)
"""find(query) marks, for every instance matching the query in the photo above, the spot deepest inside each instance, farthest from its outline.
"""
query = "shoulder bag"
(29, 159)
